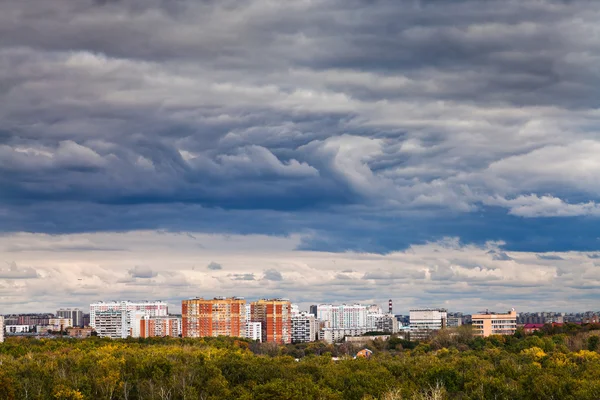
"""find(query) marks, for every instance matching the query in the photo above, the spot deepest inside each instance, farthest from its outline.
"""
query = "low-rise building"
(80, 333)
(334, 335)
(364, 340)
(18, 328)
(60, 324)
(489, 323)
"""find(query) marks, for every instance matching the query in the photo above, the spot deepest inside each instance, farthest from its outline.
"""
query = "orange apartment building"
(275, 316)
(159, 326)
(486, 324)
(213, 317)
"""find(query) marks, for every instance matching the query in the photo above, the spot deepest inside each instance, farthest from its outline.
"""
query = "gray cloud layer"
(286, 106)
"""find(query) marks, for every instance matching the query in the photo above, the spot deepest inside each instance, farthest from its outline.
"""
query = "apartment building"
(159, 326)
(275, 316)
(125, 315)
(151, 308)
(1, 329)
(254, 331)
(489, 323)
(214, 317)
(75, 314)
(305, 328)
(113, 324)
(425, 321)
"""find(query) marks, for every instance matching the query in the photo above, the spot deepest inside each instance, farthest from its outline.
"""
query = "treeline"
(451, 365)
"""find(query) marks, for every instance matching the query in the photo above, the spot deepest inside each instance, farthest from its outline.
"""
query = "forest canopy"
(451, 365)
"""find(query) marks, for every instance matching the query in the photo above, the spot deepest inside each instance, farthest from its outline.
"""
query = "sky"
(436, 153)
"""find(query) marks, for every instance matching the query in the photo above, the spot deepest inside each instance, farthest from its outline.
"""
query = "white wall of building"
(254, 331)
(1, 329)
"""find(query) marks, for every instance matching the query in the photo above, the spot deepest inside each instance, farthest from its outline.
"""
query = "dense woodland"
(559, 363)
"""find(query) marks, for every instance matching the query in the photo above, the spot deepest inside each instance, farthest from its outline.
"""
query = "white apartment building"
(1, 329)
(132, 312)
(75, 314)
(254, 331)
(112, 324)
(305, 328)
(342, 315)
(424, 321)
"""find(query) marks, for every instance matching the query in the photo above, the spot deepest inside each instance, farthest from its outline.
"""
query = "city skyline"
(438, 153)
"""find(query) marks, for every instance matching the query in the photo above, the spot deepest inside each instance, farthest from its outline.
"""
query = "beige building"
(59, 324)
(488, 323)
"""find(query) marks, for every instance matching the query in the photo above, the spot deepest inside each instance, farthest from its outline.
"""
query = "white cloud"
(165, 264)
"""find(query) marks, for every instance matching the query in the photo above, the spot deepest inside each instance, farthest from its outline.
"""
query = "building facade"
(335, 335)
(112, 324)
(159, 326)
(275, 316)
(129, 310)
(425, 321)
(213, 317)
(305, 328)
(18, 328)
(75, 314)
(254, 331)
(486, 324)
(1, 329)
(60, 324)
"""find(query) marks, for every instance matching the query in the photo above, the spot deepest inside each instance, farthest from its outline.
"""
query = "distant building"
(130, 311)
(80, 333)
(160, 326)
(213, 317)
(386, 323)
(530, 328)
(364, 340)
(18, 328)
(75, 314)
(488, 323)
(275, 316)
(342, 315)
(60, 324)
(254, 331)
(305, 328)
(335, 335)
(86, 320)
(112, 324)
(1, 329)
(425, 321)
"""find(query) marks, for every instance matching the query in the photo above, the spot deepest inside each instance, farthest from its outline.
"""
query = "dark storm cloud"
(346, 119)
